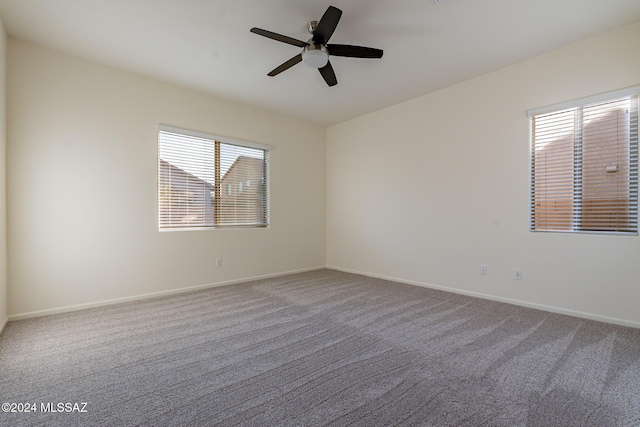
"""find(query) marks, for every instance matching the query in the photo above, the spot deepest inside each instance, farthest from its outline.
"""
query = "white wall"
(81, 182)
(428, 190)
(3, 181)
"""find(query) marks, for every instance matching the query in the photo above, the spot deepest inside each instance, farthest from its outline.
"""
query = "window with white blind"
(202, 181)
(584, 165)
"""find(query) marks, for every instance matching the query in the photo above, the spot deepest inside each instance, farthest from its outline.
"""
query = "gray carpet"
(322, 348)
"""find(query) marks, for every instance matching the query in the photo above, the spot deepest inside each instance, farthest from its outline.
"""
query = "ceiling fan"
(315, 52)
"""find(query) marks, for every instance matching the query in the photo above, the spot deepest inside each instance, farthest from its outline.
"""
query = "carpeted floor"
(315, 349)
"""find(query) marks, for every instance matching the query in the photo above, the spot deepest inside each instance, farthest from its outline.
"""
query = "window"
(584, 165)
(196, 174)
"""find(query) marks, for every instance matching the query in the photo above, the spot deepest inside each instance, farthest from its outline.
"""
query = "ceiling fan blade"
(328, 74)
(290, 63)
(327, 25)
(278, 37)
(354, 51)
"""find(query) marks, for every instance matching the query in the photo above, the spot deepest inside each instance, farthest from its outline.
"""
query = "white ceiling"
(206, 44)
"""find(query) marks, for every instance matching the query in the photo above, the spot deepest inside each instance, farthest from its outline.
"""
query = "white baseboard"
(85, 306)
(552, 309)
(549, 308)
(3, 324)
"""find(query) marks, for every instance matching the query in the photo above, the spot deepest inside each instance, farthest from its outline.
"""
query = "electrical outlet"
(517, 274)
(219, 262)
(483, 270)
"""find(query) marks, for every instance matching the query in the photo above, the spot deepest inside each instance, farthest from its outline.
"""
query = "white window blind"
(202, 181)
(584, 167)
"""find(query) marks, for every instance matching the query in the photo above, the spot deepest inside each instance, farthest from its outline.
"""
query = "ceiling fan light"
(315, 56)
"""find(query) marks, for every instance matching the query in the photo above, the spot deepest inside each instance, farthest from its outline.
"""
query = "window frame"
(578, 168)
(218, 140)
